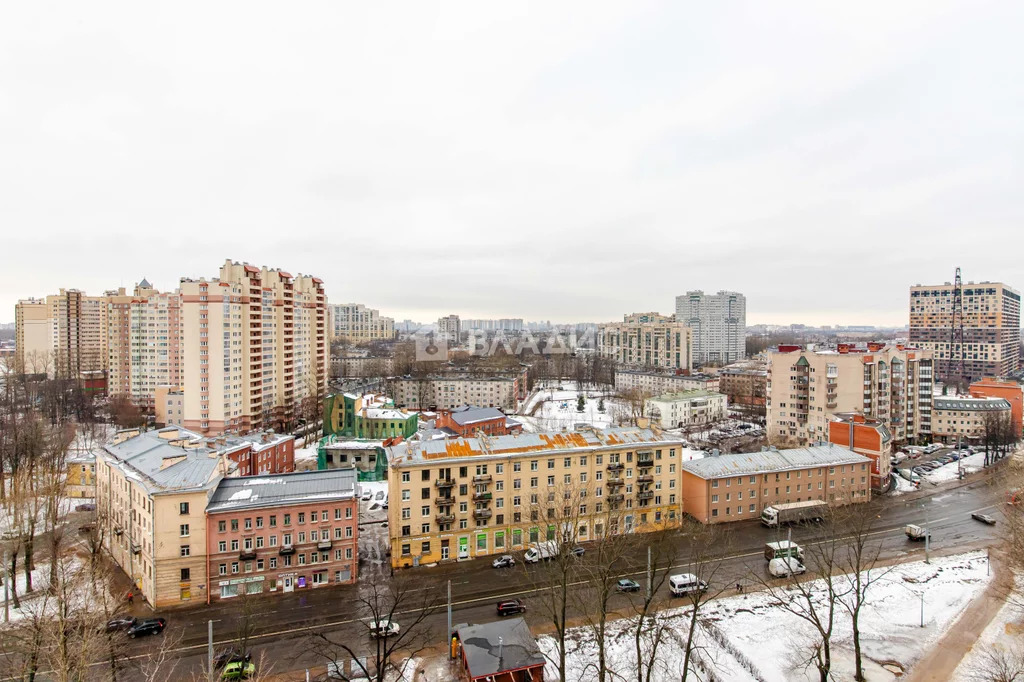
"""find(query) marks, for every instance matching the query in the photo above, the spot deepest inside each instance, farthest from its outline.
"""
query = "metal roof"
(771, 461)
(151, 459)
(485, 655)
(470, 415)
(971, 404)
(297, 488)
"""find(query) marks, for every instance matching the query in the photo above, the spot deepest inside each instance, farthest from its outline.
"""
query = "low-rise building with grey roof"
(966, 418)
(737, 487)
(282, 533)
(504, 650)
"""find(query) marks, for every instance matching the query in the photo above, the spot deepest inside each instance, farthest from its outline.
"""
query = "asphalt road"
(285, 621)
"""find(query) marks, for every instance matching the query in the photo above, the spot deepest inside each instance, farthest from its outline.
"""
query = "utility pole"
(650, 577)
(7, 588)
(922, 608)
(448, 633)
(927, 546)
(209, 650)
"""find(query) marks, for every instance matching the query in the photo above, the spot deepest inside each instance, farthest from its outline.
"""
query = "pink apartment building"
(282, 533)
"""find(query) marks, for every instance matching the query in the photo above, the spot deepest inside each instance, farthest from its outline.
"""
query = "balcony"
(613, 482)
(482, 497)
(444, 483)
(645, 479)
(615, 466)
(480, 514)
(136, 548)
(645, 495)
(247, 554)
(645, 463)
(482, 478)
(618, 497)
(445, 518)
(323, 545)
(286, 550)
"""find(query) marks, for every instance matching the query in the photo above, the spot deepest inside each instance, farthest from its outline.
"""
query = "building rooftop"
(501, 646)
(973, 404)
(297, 488)
(771, 461)
(471, 415)
(667, 375)
(418, 452)
(168, 459)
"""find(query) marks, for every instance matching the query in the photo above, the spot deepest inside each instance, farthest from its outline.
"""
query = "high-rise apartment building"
(991, 326)
(719, 324)
(254, 346)
(892, 384)
(641, 344)
(355, 322)
(449, 327)
(144, 343)
(32, 330)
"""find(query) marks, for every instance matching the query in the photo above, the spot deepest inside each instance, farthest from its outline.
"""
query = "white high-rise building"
(719, 324)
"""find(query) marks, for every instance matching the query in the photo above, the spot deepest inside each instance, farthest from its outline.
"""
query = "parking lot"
(944, 464)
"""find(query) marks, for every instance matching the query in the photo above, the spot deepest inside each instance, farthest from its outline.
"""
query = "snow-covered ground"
(1001, 637)
(950, 472)
(558, 411)
(751, 637)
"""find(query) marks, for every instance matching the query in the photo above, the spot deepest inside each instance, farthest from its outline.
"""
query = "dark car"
(509, 607)
(231, 655)
(627, 585)
(984, 518)
(120, 623)
(85, 507)
(149, 626)
(577, 550)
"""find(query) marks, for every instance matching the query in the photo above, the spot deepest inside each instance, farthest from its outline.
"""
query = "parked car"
(627, 585)
(239, 670)
(916, 533)
(510, 607)
(379, 496)
(231, 655)
(384, 628)
(85, 507)
(984, 518)
(367, 495)
(785, 567)
(148, 626)
(577, 550)
(120, 623)
(87, 528)
(504, 561)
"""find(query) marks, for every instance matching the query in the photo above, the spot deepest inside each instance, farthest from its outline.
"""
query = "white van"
(684, 583)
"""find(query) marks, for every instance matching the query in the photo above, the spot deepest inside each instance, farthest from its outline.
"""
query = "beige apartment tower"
(254, 346)
(991, 322)
(356, 323)
(892, 384)
(665, 345)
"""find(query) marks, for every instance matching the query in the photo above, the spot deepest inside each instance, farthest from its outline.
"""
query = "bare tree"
(648, 632)
(706, 545)
(383, 602)
(999, 664)
(814, 601)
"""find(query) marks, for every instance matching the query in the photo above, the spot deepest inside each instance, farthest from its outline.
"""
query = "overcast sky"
(564, 161)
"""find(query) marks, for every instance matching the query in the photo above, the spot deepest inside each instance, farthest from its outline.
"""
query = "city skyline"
(581, 167)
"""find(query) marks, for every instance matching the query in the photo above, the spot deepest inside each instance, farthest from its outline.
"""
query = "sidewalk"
(943, 658)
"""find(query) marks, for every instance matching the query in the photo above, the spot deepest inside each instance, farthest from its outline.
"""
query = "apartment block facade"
(473, 497)
(991, 322)
(655, 383)
(63, 335)
(746, 384)
(719, 324)
(32, 334)
(448, 391)
(738, 487)
(663, 345)
(1011, 391)
(144, 343)
(356, 323)
(292, 532)
(892, 384)
(964, 418)
(673, 410)
(449, 327)
(254, 346)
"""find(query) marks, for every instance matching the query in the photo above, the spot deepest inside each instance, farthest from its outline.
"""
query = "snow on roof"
(245, 493)
(771, 461)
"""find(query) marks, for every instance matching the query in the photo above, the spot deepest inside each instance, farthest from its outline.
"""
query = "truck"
(541, 550)
(782, 550)
(793, 512)
(916, 533)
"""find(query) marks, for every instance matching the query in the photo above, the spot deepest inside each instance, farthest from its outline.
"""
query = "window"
(259, 521)
(248, 524)
(186, 574)
(287, 519)
(234, 545)
(184, 530)
(185, 550)
(183, 508)
(405, 477)
(222, 569)
(273, 521)
(234, 567)
(273, 562)
(302, 517)
(222, 526)
(222, 546)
